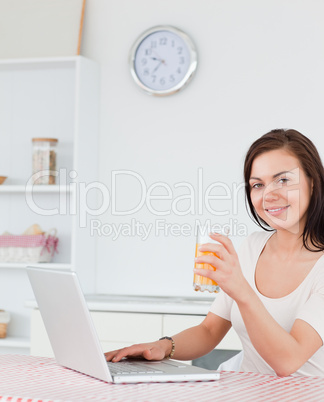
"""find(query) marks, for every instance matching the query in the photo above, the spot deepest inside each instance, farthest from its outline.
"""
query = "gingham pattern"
(27, 248)
(27, 240)
(37, 379)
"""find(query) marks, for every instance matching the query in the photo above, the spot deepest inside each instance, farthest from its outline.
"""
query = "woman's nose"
(271, 194)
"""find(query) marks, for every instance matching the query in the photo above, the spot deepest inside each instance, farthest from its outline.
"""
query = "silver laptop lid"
(68, 322)
(74, 339)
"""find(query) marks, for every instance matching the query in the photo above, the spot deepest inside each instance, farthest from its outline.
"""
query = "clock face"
(163, 60)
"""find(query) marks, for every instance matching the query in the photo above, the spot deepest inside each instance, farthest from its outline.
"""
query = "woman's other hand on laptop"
(150, 351)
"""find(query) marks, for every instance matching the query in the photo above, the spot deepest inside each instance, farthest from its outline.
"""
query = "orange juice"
(200, 283)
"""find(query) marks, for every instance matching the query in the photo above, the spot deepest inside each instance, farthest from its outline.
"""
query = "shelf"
(23, 265)
(39, 62)
(20, 188)
(15, 342)
(59, 97)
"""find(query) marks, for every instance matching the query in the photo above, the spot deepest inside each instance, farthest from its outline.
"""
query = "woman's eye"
(256, 185)
(283, 180)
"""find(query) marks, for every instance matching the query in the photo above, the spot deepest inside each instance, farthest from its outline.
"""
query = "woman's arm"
(189, 344)
(284, 352)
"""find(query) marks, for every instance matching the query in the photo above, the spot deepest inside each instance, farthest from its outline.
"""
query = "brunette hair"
(303, 149)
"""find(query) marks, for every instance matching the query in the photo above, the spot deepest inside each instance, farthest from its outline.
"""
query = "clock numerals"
(154, 64)
(163, 59)
(163, 41)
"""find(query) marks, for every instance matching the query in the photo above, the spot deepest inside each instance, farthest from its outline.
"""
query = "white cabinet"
(54, 98)
(120, 329)
(115, 330)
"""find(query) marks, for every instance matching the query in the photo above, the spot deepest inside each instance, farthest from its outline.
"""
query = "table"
(38, 379)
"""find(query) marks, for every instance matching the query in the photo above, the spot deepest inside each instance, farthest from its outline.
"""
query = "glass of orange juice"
(200, 283)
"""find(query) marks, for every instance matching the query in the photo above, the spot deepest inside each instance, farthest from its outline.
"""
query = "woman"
(273, 291)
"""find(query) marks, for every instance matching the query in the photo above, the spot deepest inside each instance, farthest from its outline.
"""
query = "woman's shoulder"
(253, 244)
(257, 239)
(318, 271)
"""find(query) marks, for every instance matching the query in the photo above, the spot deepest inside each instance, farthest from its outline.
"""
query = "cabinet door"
(127, 327)
(40, 344)
(115, 330)
(172, 324)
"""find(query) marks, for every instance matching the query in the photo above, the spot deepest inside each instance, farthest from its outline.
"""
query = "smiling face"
(280, 190)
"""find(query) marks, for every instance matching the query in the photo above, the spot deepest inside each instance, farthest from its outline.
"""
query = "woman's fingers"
(147, 351)
(227, 273)
(109, 355)
(222, 250)
(216, 249)
(209, 259)
(117, 355)
(225, 241)
(207, 273)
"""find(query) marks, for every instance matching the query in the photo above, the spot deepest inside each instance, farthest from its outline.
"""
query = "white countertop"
(144, 304)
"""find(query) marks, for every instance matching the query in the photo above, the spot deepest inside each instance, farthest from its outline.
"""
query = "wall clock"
(163, 60)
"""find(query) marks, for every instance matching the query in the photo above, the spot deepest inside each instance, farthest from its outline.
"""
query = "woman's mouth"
(276, 211)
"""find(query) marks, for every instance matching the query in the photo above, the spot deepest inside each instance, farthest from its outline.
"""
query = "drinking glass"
(200, 283)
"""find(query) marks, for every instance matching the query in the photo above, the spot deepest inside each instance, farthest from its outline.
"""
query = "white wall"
(261, 66)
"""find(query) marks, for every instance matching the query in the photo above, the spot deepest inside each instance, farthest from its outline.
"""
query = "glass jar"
(44, 160)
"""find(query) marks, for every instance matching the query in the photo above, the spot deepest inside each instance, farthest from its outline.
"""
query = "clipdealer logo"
(160, 227)
(90, 201)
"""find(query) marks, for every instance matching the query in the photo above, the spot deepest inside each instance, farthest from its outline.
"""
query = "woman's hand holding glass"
(228, 274)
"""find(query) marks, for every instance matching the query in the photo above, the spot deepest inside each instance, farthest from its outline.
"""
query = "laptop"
(75, 342)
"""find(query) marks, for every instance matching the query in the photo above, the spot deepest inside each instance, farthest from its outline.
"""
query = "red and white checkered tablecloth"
(38, 379)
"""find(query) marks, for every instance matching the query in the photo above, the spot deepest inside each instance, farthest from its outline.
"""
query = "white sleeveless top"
(306, 302)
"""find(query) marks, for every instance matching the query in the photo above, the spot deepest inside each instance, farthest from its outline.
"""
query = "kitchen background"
(260, 66)
(176, 160)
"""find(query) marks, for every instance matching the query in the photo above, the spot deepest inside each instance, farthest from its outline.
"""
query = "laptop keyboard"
(131, 368)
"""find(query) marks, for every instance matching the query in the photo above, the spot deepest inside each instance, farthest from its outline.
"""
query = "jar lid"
(45, 139)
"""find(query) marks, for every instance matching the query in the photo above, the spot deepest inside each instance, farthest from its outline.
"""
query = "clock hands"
(161, 61)
(157, 67)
